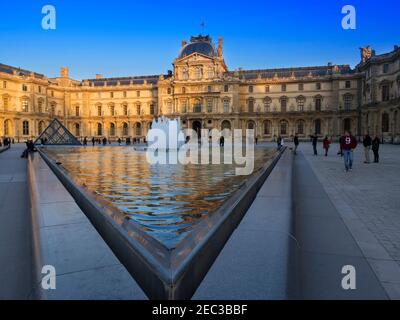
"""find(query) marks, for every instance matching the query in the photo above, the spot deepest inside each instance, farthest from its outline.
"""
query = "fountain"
(165, 134)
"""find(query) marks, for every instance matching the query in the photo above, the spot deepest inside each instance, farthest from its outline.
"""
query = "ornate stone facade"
(205, 94)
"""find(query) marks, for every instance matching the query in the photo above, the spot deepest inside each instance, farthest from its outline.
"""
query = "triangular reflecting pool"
(175, 218)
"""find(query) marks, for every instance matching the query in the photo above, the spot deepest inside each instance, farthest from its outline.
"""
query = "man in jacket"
(348, 144)
(367, 146)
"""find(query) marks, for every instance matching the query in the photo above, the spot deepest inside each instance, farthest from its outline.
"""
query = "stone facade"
(205, 94)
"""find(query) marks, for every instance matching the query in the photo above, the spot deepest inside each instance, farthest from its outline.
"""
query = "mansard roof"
(19, 72)
(152, 79)
(299, 72)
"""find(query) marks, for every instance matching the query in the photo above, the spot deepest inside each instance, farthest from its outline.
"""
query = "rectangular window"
(25, 106)
(4, 84)
(318, 104)
(284, 87)
(226, 88)
(39, 89)
(124, 94)
(266, 89)
(385, 68)
(138, 94)
(301, 86)
(209, 88)
(283, 105)
(24, 87)
(385, 93)
(251, 89)
(111, 94)
(209, 106)
(318, 85)
(348, 85)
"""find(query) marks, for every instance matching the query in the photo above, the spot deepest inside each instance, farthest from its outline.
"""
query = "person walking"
(93, 141)
(278, 142)
(326, 144)
(296, 143)
(119, 141)
(314, 140)
(340, 152)
(84, 141)
(349, 143)
(375, 148)
(367, 141)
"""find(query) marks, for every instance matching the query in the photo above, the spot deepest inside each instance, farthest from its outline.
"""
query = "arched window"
(283, 127)
(25, 128)
(317, 125)
(385, 122)
(225, 125)
(251, 125)
(138, 128)
(125, 129)
(99, 129)
(112, 129)
(267, 127)
(77, 129)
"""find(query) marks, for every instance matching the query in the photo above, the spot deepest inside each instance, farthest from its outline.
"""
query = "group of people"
(104, 141)
(6, 142)
(30, 147)
(347, 144)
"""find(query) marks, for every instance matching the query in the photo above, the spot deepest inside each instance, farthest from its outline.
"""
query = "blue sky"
(123, 38)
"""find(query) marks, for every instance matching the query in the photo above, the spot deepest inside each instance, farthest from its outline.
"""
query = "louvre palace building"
(205, 94)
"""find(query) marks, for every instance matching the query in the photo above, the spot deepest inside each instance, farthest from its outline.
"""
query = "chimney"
(99, 76)
(220, 47)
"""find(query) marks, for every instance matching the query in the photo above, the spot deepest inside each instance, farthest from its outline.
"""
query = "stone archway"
(196, 126)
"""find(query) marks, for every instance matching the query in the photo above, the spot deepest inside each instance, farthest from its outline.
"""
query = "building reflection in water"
(166, 201)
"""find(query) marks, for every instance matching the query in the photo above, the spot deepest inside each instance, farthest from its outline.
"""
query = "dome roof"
(200, 44)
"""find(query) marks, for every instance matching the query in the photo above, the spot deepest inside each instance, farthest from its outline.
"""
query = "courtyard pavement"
(368, 202)
(15, 238)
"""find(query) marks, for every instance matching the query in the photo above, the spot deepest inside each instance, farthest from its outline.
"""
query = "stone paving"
(15, 238)
(368, 199)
